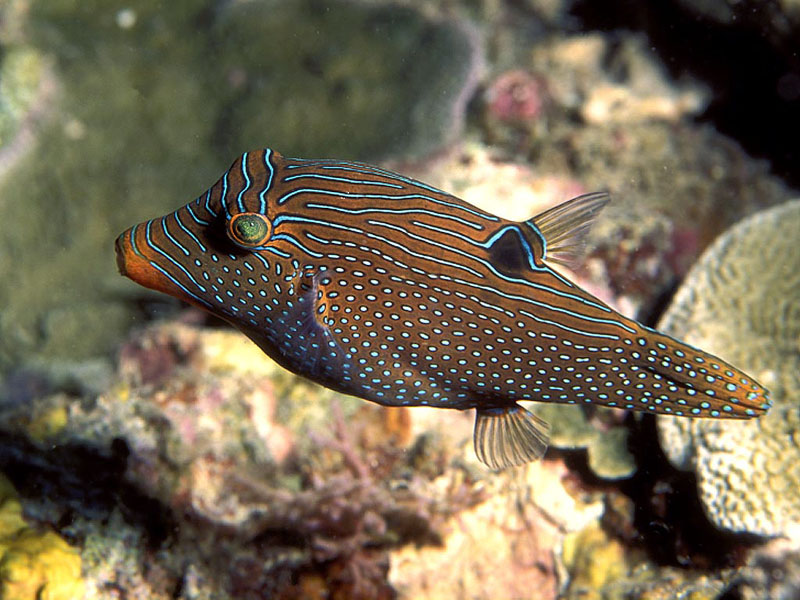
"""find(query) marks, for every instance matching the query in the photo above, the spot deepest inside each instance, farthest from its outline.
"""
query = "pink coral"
(516, 96)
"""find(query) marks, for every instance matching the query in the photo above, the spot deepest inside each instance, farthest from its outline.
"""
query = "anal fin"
(509, 436)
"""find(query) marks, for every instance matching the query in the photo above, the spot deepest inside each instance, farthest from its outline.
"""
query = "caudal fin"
(652, 372)
(698, 384)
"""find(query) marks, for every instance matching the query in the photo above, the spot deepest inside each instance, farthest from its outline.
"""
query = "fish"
(380, 286)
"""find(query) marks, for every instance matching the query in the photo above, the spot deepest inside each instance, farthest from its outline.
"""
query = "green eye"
(249, 229)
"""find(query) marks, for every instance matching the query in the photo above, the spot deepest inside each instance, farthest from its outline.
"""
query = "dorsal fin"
(564, 227)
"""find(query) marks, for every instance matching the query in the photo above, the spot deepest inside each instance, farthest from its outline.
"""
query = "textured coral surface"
(742, 301)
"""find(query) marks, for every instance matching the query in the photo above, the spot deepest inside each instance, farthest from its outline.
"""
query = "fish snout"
(134, 262)
(139, 259)
(120, 250)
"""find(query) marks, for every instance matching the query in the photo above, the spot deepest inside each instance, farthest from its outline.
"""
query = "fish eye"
(249, 229)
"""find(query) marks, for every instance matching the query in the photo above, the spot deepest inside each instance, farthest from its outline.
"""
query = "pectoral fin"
(309, 338)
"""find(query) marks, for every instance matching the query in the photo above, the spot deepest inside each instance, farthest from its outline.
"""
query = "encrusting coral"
(34, 565)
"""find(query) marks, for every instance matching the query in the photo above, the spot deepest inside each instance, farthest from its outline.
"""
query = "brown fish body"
(385, 288)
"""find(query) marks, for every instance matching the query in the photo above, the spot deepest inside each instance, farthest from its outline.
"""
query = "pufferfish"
(382, 287)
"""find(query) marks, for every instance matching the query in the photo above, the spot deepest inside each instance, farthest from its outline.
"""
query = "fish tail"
(676, 378)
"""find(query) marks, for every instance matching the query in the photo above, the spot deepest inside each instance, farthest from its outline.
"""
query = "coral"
(671, 182)
(740, 302)
(356, 501)
(34, 565)
(605, 439)
(200, 469)
(190, 449)
(501, 548)
(598, 566)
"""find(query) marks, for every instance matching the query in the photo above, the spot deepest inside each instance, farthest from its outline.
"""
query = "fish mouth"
(119, 248)
(134, 263)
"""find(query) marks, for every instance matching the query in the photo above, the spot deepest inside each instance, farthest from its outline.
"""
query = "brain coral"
(742, 301)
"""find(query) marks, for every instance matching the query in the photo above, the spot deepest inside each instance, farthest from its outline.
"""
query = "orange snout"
(139, 263)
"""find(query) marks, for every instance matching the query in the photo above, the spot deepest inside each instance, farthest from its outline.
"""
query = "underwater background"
(150, 451)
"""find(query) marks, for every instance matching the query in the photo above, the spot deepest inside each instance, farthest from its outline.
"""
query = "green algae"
(346, 76)
(154, 102)
(21, 72)
(606, 444)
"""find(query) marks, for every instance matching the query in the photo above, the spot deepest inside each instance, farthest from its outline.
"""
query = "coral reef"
(740, 302)
(34, 565)
(603, 435)
(206, 467)
(219, 456)
(193, 467)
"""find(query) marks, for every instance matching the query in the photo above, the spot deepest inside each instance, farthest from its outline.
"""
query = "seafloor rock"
(599, 566)
(205, 468)
(741, 301)
(503, 547)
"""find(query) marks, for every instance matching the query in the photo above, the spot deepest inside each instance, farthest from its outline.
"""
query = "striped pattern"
(385, 288)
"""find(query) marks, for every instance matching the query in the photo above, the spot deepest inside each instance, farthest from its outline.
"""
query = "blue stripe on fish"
(262, 195)
(246, 186)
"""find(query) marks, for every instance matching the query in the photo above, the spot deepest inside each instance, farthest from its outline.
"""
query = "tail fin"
(670, 377)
